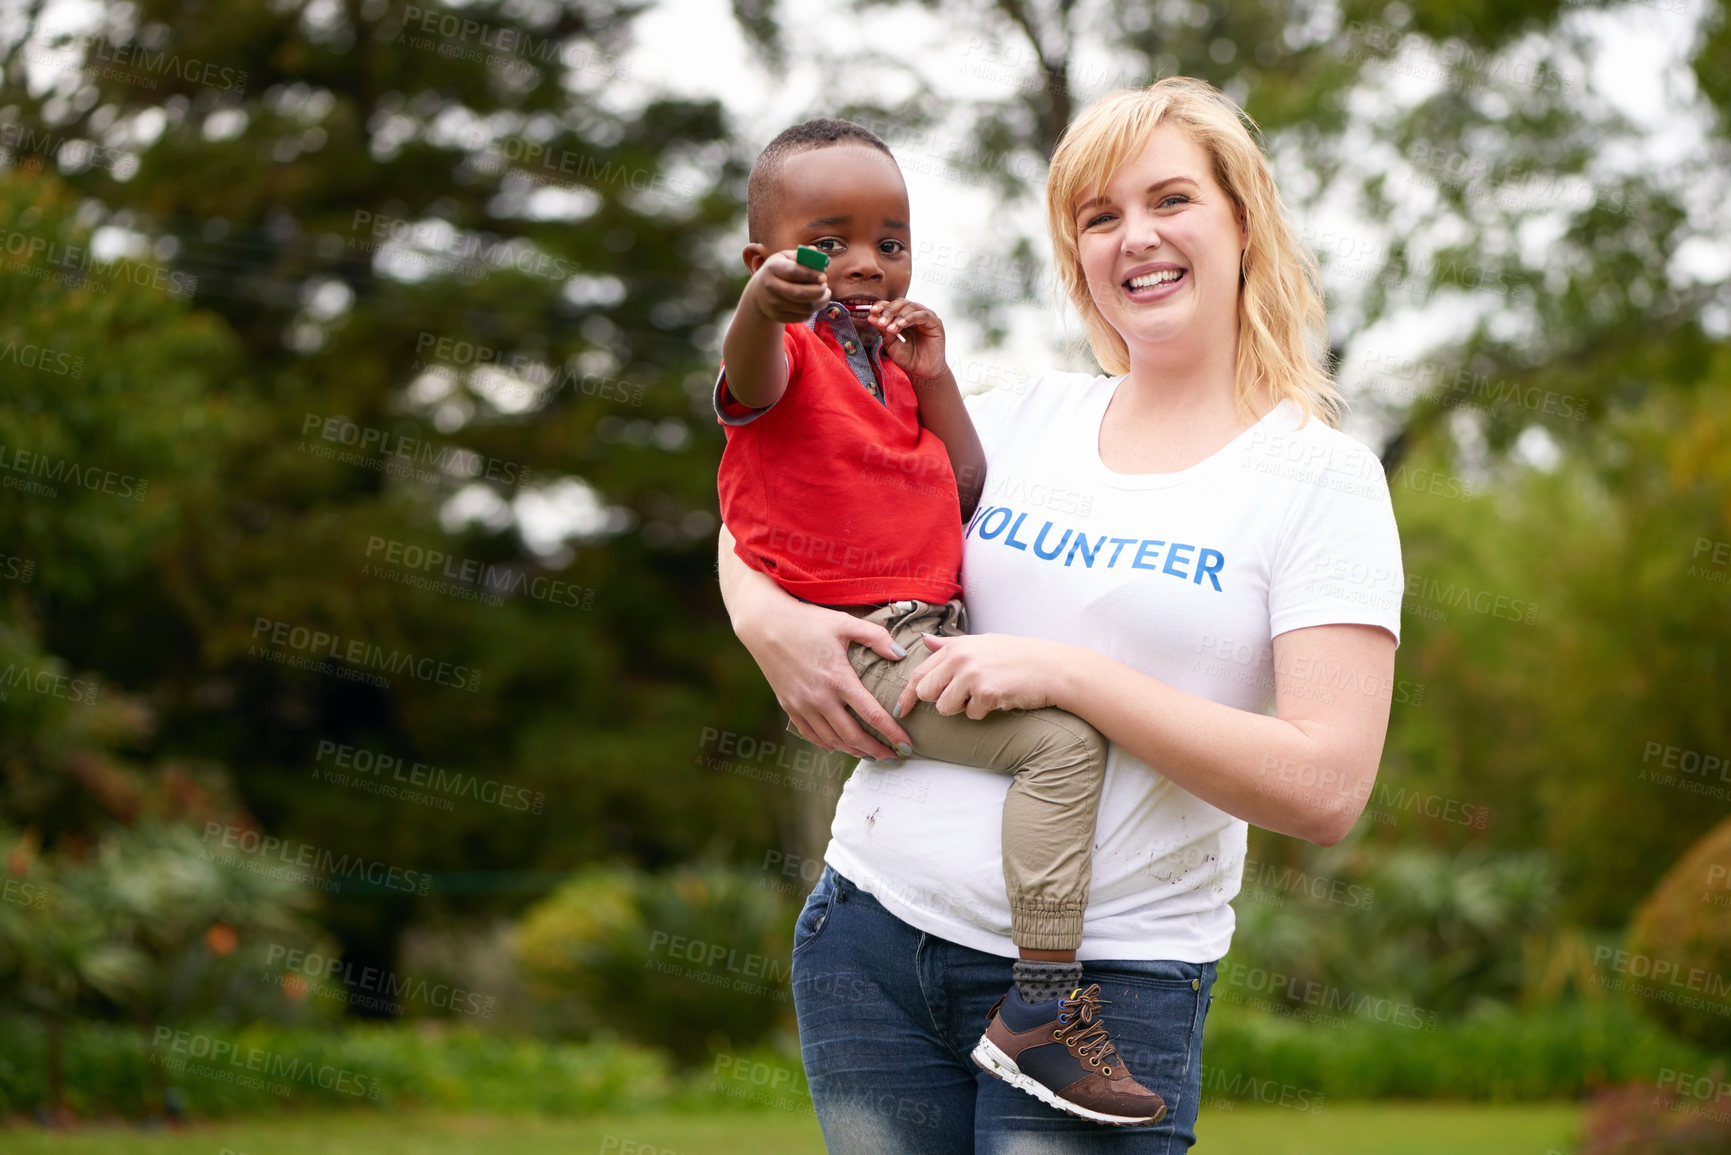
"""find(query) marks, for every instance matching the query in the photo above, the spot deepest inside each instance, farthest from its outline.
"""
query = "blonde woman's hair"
(1281, 329)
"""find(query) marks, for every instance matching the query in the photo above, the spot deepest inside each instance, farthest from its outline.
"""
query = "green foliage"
(1683, 924)
(111, 1070)
(693, 961)
(1557, 1052)
(148, 919)
(358, 264)
(147, 926)
(1441, 933)
(1560, 726)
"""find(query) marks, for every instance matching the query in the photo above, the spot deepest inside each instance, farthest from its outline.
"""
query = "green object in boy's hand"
(811, 258)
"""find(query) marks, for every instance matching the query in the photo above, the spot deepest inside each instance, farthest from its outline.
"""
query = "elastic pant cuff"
(1046, 928)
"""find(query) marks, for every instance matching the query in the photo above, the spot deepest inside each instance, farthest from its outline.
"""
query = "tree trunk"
(816, 788)
(54, 1036)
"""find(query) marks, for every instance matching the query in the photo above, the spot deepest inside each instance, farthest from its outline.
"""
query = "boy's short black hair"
(823, 132)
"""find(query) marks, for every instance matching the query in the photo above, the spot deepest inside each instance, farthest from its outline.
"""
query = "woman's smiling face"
(1161, 246)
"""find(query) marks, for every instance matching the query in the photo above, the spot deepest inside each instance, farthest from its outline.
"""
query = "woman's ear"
(755, 254)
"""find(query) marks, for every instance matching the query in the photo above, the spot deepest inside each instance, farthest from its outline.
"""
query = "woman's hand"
(803, 654)
(802, 650)
(979, 673)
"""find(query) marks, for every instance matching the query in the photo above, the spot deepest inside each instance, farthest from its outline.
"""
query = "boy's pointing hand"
(785, 290)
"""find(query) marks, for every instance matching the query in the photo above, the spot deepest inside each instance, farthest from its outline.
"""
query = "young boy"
(846, 435)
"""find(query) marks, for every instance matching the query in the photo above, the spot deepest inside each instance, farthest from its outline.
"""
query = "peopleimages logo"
(362, 981)
(229, 1060)
(261, 849)
(352, 765)
(357, 655)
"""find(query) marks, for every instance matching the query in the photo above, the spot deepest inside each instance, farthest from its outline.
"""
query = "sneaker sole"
(992, 1060)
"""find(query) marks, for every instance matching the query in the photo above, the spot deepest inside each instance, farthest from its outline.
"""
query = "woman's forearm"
(802, 650)
(1304, 776)
(744, 591)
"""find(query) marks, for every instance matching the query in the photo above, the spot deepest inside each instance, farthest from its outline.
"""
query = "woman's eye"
(1180, 198)
(1098, 218)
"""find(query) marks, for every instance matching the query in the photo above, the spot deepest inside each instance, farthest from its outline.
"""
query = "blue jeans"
(888, 1016)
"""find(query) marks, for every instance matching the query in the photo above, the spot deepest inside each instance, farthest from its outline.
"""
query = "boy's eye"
(891, 246)
(828, 244)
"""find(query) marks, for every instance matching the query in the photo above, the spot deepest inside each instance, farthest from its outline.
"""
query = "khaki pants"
(1058, 761)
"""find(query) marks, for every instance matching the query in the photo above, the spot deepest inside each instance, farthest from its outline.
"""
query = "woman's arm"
(802, 650)
(1308, 771)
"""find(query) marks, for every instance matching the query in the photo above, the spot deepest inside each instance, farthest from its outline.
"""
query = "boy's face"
(847, 201)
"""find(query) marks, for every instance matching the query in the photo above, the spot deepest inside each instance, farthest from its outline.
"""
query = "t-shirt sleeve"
(729, 410)
(989, 410)
(1338, 558)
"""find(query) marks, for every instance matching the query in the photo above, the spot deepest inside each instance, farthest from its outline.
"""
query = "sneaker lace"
(1088, 1033)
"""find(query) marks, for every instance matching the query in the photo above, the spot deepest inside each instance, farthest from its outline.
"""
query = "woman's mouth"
(1154, 284)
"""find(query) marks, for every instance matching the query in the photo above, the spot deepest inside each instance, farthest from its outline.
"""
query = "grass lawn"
(1339, 1129)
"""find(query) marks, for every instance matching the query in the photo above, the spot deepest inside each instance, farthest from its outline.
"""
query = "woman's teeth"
(1150, 280)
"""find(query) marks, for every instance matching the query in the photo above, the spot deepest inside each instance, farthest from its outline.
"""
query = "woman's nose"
(1140, 234)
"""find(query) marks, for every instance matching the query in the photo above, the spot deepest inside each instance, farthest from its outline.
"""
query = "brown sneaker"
(1059, 1052)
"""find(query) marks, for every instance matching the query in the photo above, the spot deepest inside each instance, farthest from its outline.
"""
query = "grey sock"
(1041, 982)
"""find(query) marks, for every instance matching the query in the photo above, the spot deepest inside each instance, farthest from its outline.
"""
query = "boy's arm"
(942, 411)
(940, 398)
(781, 292)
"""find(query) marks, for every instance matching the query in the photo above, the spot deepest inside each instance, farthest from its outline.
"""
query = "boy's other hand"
(922, 355)
(786, 291)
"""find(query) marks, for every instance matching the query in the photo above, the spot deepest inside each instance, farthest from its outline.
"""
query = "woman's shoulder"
(1018, 397)
(1311, 444)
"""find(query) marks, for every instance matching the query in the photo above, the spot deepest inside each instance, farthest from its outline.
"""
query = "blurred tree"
(455, 243)
(1570, 719)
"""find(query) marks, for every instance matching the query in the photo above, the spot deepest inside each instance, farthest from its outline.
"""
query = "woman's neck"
(1194, 386)
(1175, 409)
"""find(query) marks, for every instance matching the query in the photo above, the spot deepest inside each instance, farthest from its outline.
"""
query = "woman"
(1159, 551)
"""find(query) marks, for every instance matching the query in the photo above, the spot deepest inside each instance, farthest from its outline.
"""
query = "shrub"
(111, 1070)
(1681, 926)
(1645, 1120)
(1555, 1053)
(693, 961)
(1441, 932)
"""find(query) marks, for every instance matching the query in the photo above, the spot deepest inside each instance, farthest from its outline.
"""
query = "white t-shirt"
(1185, 576)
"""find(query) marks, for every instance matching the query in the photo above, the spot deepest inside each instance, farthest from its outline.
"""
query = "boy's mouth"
(861, 307)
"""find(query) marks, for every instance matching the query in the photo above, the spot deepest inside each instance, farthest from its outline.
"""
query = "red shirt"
(842, 498)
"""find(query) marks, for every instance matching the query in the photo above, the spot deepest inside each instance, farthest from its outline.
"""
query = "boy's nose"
(862, 267)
